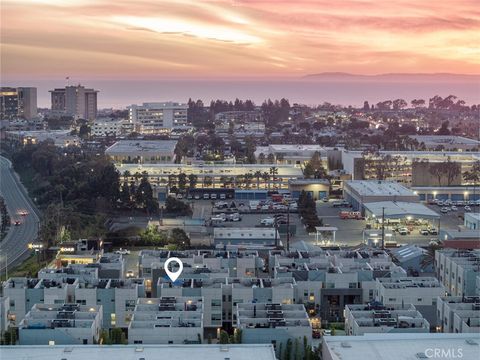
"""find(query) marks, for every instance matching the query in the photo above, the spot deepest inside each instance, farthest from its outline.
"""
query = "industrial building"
(360, 192)
(142, 152)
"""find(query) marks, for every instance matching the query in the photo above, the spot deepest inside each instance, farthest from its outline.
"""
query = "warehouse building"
(360, 192)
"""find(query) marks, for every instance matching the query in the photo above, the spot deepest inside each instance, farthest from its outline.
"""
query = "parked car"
(234, 217)
(444, 210)
(122, 251)
(206, 196)
(454, 208)
(467, 208)
(223, 196)
(197, 197)
(129, 274)
(403, 231)
(179, 196)
(213, 196)
(267, 221)
(325, 199)
(433, 231)
(424, 232)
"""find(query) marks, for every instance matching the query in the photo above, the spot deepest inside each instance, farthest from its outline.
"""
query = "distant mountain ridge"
(342, 76)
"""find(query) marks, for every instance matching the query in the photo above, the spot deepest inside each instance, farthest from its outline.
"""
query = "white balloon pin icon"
(173, 275)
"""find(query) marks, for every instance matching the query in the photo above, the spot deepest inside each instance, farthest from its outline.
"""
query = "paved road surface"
(13, 247)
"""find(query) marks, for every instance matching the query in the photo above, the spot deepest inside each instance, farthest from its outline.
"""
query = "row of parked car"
(452, 205)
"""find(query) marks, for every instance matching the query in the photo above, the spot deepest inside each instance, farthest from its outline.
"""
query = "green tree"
(308, 171)
(180, 238)
(182, 181)
(288, 350)
(224, 339)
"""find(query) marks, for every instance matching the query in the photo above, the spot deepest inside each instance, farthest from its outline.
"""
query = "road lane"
(14, 247)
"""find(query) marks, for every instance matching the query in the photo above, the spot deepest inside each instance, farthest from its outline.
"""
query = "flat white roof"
(400, 209)
(401, 346)
(473, 216)
(444, 139)
(135, 352)
(142, 146)
(247, 233)
(378, 188)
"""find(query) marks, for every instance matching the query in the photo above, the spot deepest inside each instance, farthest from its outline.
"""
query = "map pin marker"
(173, 275)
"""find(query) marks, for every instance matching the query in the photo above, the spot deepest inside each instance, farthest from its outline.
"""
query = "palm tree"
(473, 176)
(248, 179)
(258, 175)
(429, 257)
(273, 172)
(266, 179)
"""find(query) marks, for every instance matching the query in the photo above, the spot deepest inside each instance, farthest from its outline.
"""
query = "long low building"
(399, 209)
(136, 352)
(401, 346)
(142, 151)
(246, 237)
(248, 176)
(360, 192)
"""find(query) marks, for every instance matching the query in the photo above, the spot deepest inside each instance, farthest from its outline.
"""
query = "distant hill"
(395, 77)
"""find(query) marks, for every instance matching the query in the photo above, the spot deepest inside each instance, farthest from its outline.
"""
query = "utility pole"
(288, 227)
(383, 228)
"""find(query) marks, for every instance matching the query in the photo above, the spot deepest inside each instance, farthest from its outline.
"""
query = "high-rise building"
(158, 118)
(27, 102)
(18, 102)
(76, 101)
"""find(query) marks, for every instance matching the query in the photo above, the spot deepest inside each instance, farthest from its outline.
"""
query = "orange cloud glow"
(235, 38)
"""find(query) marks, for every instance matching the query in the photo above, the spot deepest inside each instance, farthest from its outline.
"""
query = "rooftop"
(379, 188)
(444, 139)
(246, 233)
(400, 209)
(141, 146)
(411, 346)
(136, 352)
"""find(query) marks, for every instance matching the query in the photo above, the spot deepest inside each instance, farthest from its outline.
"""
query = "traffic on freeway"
(23, 216)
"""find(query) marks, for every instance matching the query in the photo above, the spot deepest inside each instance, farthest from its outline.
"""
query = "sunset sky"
(252, 38)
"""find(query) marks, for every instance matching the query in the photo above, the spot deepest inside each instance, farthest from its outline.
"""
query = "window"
(419, 299)
(216, 303)
(85, 341)
(129, 305)
(137, 341)
(82, 302)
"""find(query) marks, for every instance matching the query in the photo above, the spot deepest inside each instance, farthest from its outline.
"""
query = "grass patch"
(29, 268)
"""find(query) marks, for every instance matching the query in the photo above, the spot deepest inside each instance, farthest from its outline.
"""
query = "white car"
(129, 274)
(424, 232)
(454, 208)
(444, 210)
(267, 221)
(122, 251)
(403, 231)
(468, 208)
(197, 197)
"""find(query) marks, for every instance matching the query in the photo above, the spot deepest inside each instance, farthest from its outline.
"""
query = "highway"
(14, 247)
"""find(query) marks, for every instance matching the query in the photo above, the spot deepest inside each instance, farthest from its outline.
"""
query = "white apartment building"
(377, 318)
(23, 293)
(104, 127)
(273, 323)
(117, 297)
(221, 295)
(158, 117)
(458, 270)
(64, 324)
(167, 320)
(457, 314)
(422, 292)
(4, 313)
